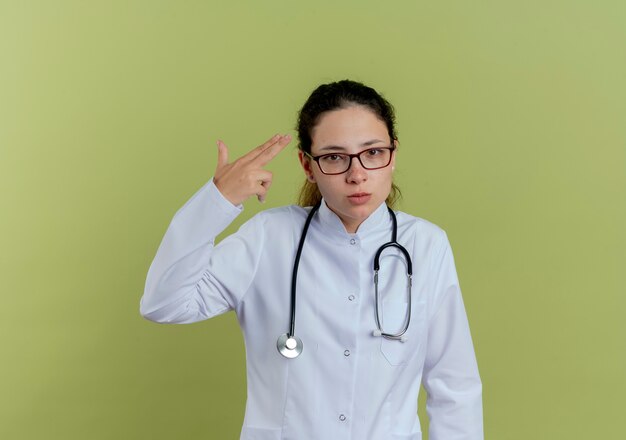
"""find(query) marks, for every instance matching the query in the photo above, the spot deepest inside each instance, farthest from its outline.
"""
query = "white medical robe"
(347, 383)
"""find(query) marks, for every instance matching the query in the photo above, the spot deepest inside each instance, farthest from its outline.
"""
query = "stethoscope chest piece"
(289, 346)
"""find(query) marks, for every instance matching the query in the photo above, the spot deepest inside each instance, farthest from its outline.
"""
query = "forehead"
(348, 127)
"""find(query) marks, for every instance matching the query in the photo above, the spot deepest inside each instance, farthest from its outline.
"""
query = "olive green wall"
(513, 139)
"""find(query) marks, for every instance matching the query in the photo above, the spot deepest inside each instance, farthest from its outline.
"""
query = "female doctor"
(340, 326)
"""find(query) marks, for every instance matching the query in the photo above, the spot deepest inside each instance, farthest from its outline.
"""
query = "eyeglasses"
(339, 163)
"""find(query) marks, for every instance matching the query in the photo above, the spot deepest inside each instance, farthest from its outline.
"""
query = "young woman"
(340, 326)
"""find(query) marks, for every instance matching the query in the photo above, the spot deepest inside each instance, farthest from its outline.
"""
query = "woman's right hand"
(246, 177)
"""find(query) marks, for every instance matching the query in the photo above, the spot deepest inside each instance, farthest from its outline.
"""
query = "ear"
(307, 166)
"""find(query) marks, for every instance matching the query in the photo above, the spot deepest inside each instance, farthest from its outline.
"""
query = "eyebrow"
(340, 148)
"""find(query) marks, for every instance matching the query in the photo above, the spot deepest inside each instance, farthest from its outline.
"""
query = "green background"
(512, 124)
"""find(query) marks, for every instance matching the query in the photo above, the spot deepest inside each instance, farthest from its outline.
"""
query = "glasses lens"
(334, 163)
(375, 157)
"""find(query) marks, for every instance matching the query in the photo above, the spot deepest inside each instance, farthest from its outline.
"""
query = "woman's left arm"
(451, 378)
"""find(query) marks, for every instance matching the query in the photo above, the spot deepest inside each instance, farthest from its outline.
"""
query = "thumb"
(222, 154)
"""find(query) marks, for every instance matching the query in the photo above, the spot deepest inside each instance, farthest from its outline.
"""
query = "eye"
(332, 157)
(375, 151)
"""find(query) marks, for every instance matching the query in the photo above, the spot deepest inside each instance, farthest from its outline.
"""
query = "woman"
(348, 367)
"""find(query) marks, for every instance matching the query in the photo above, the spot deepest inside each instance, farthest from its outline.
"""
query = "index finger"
(270, 152)
(254, 153)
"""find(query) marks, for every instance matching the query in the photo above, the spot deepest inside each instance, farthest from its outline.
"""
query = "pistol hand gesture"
(245, 176)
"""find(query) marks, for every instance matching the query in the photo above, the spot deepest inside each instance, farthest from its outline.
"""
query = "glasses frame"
(391, 149)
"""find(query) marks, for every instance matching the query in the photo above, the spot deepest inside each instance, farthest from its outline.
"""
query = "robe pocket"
(251, 433)
(393, 316)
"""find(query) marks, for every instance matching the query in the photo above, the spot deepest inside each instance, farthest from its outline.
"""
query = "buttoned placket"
(347, 340)
(349, 355)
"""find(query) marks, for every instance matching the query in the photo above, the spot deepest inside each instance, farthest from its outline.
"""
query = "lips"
(359, 198)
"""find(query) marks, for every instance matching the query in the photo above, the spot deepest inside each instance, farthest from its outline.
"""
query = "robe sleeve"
(191, 279)
(451, 378)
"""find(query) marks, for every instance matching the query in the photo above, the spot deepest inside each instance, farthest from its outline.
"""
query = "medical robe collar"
(331, 221)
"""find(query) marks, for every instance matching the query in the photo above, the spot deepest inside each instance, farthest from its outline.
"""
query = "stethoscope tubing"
(409, 270)
(294, 277)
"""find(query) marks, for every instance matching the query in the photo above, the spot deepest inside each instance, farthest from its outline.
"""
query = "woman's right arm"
(190, 279)
(180, 287)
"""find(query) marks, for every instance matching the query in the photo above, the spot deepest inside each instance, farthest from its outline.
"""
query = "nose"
(356, 173)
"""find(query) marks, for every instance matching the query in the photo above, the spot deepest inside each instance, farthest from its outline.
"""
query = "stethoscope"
(290, 346)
